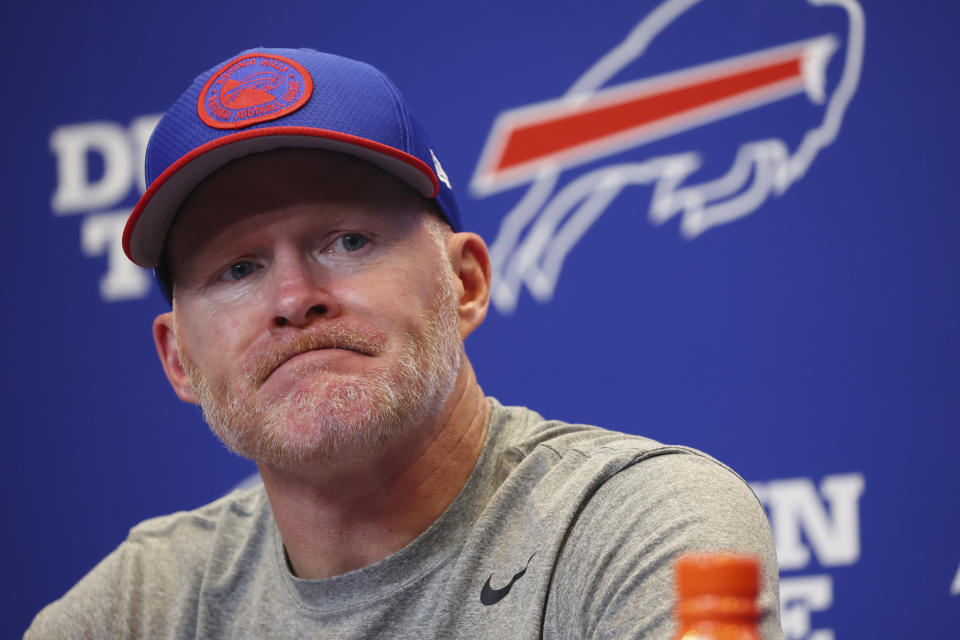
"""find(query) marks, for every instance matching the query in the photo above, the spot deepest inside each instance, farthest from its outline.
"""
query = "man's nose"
(301, 295)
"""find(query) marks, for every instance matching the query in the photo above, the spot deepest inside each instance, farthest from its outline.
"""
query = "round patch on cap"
(253, 88)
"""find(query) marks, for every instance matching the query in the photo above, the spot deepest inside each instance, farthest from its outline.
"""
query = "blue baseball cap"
(263, 99)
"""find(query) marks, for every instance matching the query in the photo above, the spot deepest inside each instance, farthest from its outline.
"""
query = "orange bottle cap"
(717, 574)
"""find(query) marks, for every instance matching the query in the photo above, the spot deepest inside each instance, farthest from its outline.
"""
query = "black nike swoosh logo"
(489, 595)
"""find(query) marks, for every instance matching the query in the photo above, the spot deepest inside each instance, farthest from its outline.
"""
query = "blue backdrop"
(761, 264)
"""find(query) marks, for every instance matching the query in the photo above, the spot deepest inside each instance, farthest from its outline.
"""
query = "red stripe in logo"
(576, 129)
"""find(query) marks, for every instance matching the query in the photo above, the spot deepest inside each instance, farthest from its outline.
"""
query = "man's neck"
(331, 524)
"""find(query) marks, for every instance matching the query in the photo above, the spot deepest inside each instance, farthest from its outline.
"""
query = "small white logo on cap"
(441, 174)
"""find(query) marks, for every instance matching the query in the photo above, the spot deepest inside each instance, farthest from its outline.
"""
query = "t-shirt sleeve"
(130, 594)
(614, 577)
(88, 609)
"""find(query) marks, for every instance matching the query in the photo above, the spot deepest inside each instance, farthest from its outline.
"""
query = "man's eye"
(239, 270)
(351, 242)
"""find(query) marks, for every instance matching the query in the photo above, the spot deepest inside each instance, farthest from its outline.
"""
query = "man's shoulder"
(607, 465)
(238, 509)
(154, 576)
(179, 545)
(525, 432)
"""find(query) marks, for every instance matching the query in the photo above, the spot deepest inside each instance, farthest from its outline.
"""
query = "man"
(321, 286)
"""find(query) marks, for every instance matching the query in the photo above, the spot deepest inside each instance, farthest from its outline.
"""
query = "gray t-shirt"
(561, 531)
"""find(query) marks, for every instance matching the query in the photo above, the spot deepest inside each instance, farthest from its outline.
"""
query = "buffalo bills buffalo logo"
(609, 111)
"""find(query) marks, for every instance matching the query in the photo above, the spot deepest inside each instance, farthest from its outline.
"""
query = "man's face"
(315, 310)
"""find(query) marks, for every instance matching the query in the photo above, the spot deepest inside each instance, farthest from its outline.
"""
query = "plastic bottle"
(717, 597)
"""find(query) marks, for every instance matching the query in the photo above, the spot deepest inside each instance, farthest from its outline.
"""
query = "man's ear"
(471, 264)
(165, 338)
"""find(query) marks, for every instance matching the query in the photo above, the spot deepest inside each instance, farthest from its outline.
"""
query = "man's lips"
(300, 353)
(275, 356)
